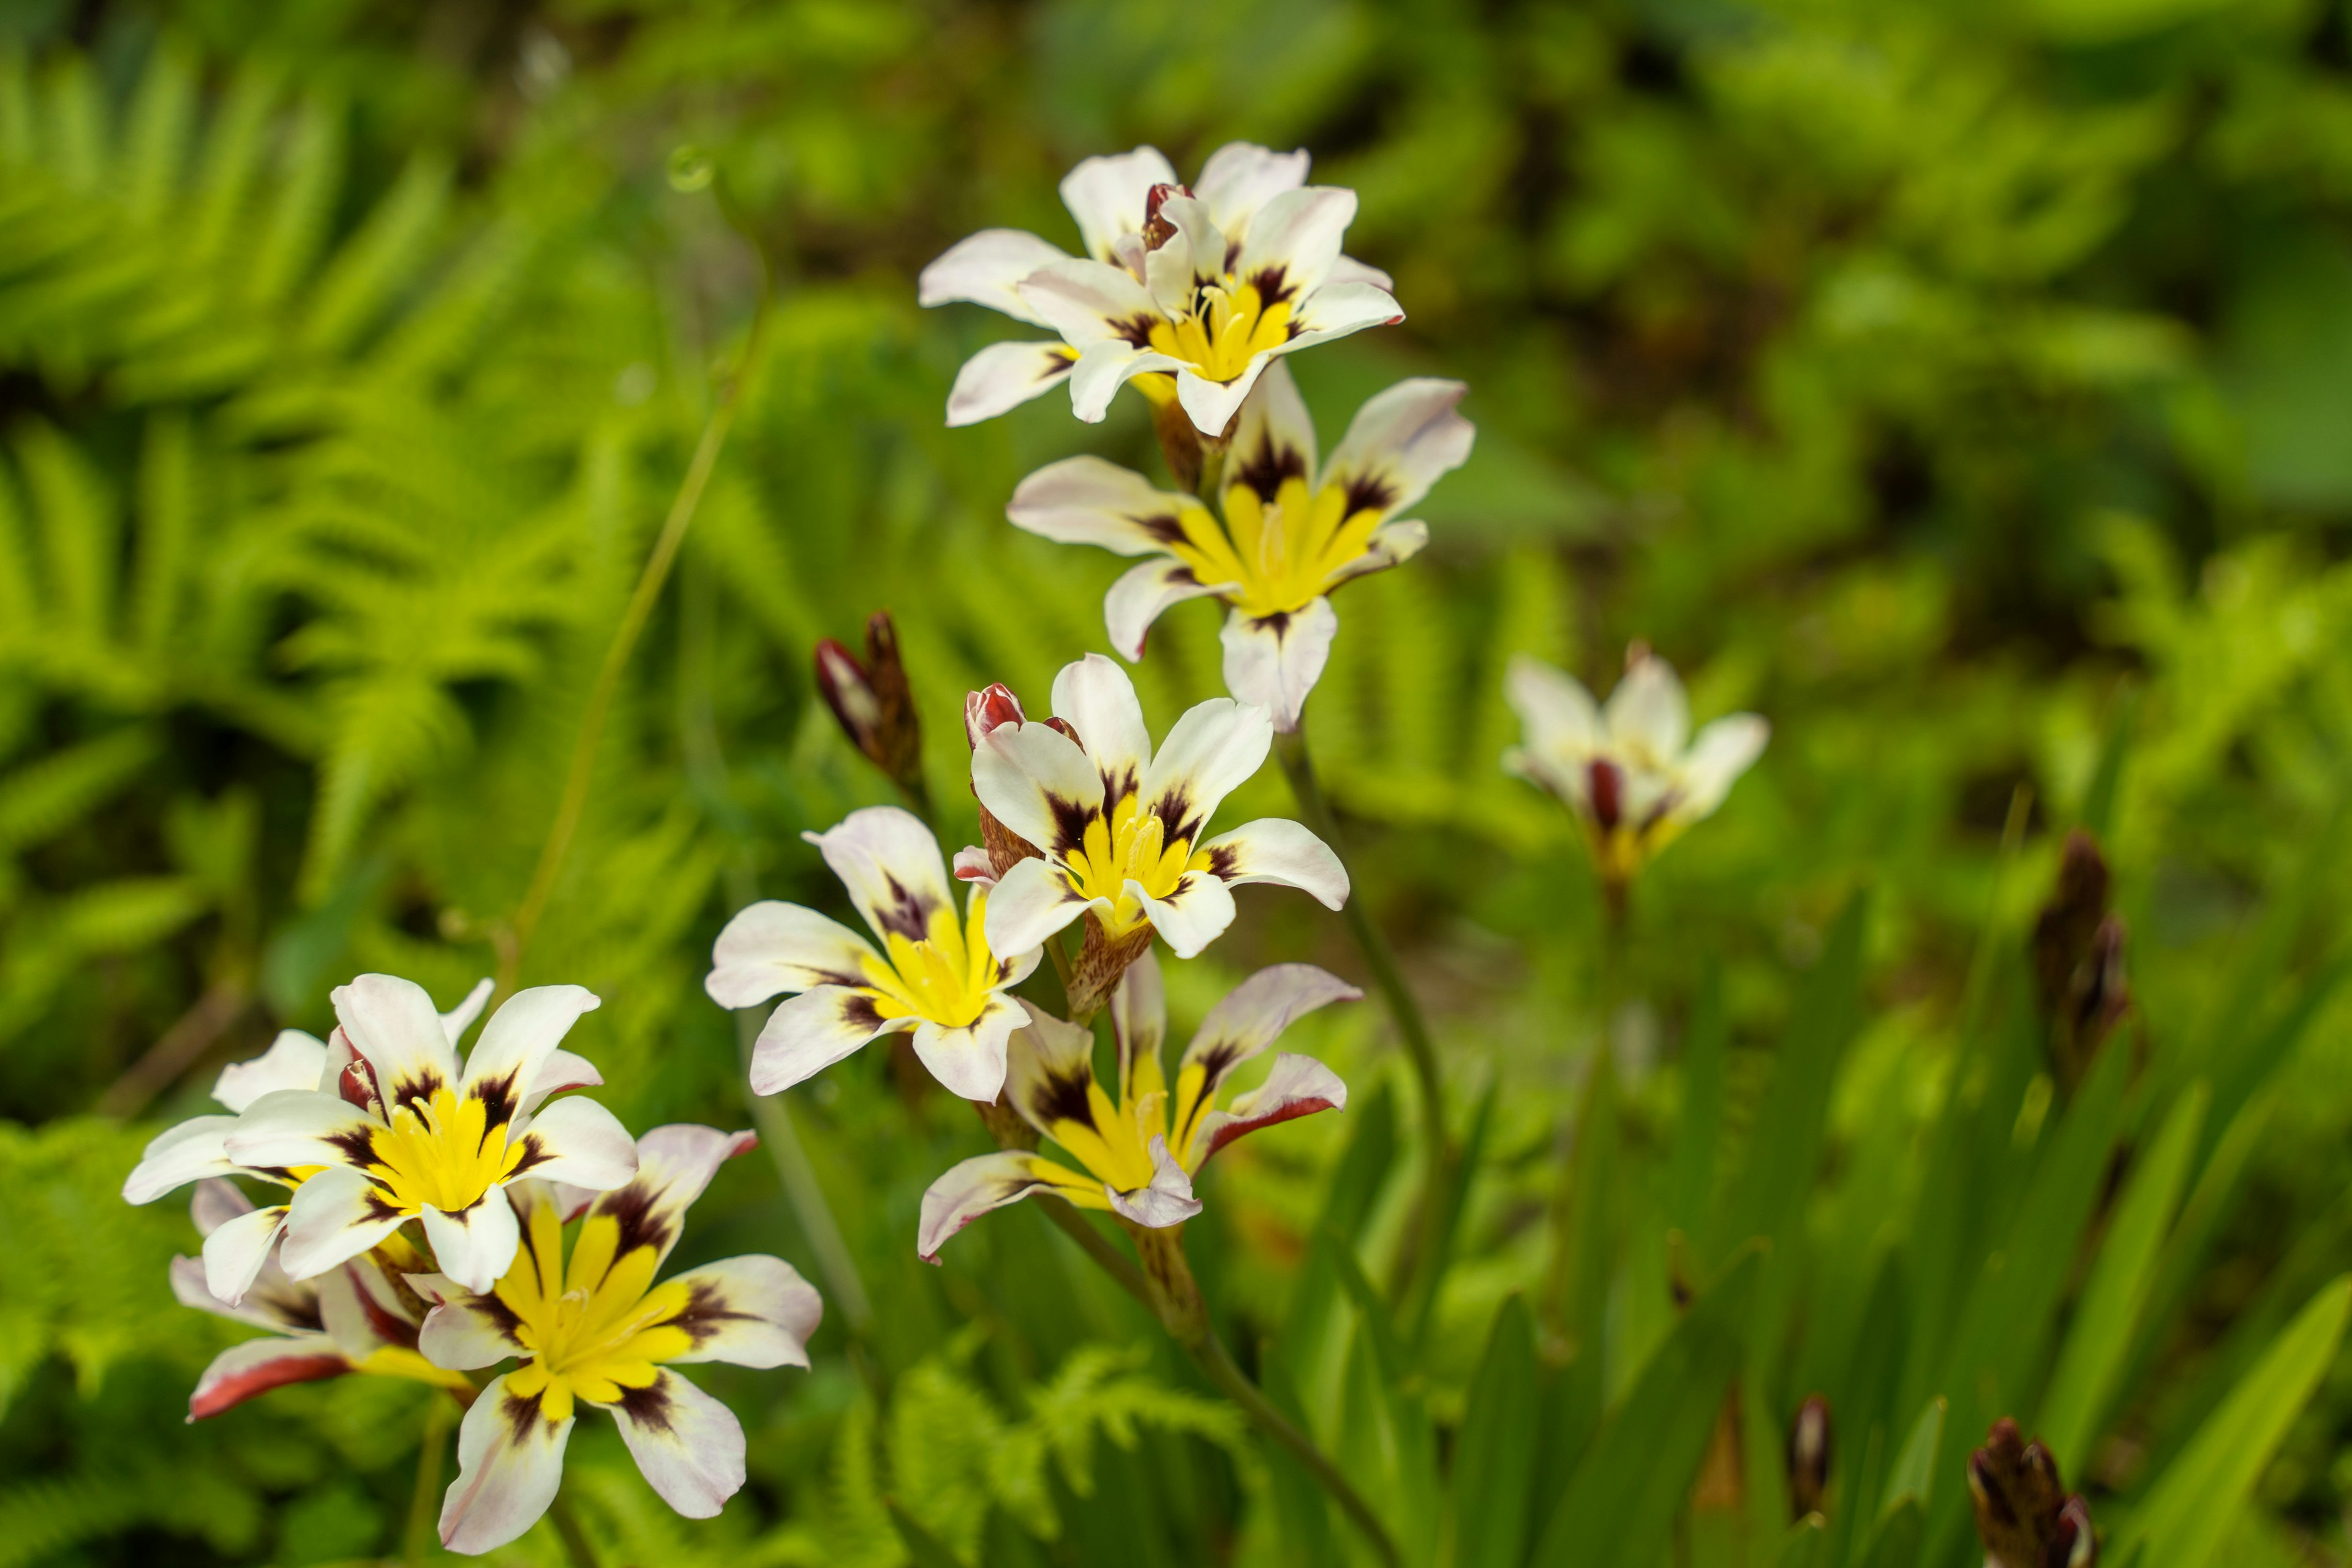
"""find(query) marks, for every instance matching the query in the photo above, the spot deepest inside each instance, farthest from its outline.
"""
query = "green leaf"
(1494, 1453)
(2189, 1508)
(1806, 1545)
(1914, 1476)
(927, 1550)
(1895, 1541)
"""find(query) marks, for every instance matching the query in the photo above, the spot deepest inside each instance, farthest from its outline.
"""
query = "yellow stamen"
(947, 977)
(442, 1152)
(597, 1330)
(1280, 553)
(1127, 845)
(1228, 327)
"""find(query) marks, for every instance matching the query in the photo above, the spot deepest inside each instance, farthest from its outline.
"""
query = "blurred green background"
(1958, 384)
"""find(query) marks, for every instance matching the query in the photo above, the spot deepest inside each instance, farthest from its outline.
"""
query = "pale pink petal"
(1094, 696)
(509, 1464)
(689, 1446)
(1298, 1086)
(810, 1033)
(392, 1022)
(1038, 782)
(459, 1019)
(291, 1127)
(1649, 713)
(467, 1332)
(1141, 595)
(974, 865)
(980, 1185)
(1106, 194)
(968, 1060)
(214, 1202)
(1209, 753)
(1721, 752)
(1087, 500)
(891, 866)
(1049, 1067)
(1108, 365)
(1254, 1014)
(561, 1071)
(1559, 715)
(518, 1040)
(579, 1143)
(1188, 259)
(1168, 1200)
(236, 1252)
(1391, 545)
(1347, 269)
(476, 1245)
(1294, 239)
(1400, 444)
(1212, 405)
(334, 1217)
(1276, 439)
(674, 1164)
(1274, 661)
(1029, 905)
(1090, 302)
(256, 1366)
(1240, 176)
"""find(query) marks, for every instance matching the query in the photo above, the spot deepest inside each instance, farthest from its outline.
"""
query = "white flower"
(1140, 1154)
(939, 975)
(1291, 534)
(1121, 829)
(1199, 288)
(595, 1329)
(1631, 772)
(406, 1136)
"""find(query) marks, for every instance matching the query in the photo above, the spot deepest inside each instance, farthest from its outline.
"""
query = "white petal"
(178, 1155)
(559, 1071)
(345, 1317)
(1276, 437)
(891, 866)
(674, 1165)
(986, 268)
(467, 1332)
(1094, 697)
(189, 1286)
(334, 1217)
(1086, 501)
(1139, 1018)
(1400, 443)
(476, 1245)
(256, 1366)
(810, 1033)
(1347, 269)
(1212, 405)
(1106, 366)
(1209, 752)
(460, 1018)
(968, 1061)
(1107, 194)
(1274, 661)
(509, 1464)
(294, 1060)
(1295, 239)
(978, 1186)
(235, 1252)
(1188, 259)
(214, 1202)
(1338, 309)
(290, 1127)
(392, 1022)
(1001, 378)
(1038, 782)
(519, 1037)
(1031, 903)
(1559, 714)
(689, 1446)
(772, 947)
(1089, 302)
(1391, 545)
(1723, 751)
(1649, 713)
(1286, 853)
(578, 1143)
(754, 1311)
(1191, 916)
(1298, 1086)
(1254, 1014)
(1239, 178)
(1050, 1064)
(1168, 1199)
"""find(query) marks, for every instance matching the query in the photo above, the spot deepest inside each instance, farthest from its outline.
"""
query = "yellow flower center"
(442, 1152)
(594, 1328)
(1229, 327)
(1126, 844)
(945, 977)
(1282, 554)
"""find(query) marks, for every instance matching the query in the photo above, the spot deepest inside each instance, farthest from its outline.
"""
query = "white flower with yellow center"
(595, 1329)
(1138, 1154)
(1292, 531)
(937, 974)
(1631, 772)
(1122, 830)
(1198, 289)
(348, 1320)
(406, 1135)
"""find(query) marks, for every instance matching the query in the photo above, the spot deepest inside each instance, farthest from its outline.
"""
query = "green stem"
(1297, 766)
(576, 1545)
(432, 1452)
(1235, 1384)
(805, 1190)
(1098, 1247)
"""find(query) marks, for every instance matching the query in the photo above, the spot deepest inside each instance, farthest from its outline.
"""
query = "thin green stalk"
(432, 1453)
(1218, 1363)
(576, 1545)
(1096, 1246)
(845, 1288)
(1297, 766)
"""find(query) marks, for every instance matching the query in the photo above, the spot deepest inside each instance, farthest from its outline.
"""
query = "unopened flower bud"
(1809, 1455)
(1157, 230)
(984, 712)
(987, 710)
(873, 702)
(2024, 1518)
(2078, 961)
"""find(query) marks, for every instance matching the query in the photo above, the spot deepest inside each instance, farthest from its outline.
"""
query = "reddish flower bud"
(2024, 1517)
(1157, 230)
(2078, 961)
(1809, 1455)
(873, 702)
(989, 709)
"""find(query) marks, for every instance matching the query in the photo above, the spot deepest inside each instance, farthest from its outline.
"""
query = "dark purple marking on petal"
(649, 1407)
(641, 1224)
(499, 1101)
(1607, 803)
(858, 1012)
(1265, 468)
(1062, 1097)
(389, 1325)
(907, 914)
(1161, 527)
(521, 1414)
(418, 1090)
(1058, 365)
(1223, 861)
(706, 1313)
(1368, 492)
(1272, 284)
(1070, 820)
(535, 1153)
(1135, 329)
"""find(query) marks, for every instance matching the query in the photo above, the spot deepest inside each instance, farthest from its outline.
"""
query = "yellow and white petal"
(968, 1060)
(989, 1182)
(1094, 696)
(1038, 782)
(1209, 752)
(509, 1464)
(1141, 595)
(294, 1060)
(1251, 1016)
(256, 1366)
(1050, 1075)
(236, 1252)
(516, 1043)
(1347, 269)
(753, 1312)
(190, 1151)
(1087, 500)
(1276, 439)
(1391, 545)
(772, 947)
(1648, 712)
(1091, 302)
(1298, 1086)
(1561, 720)
(392, 1023)
(460, 1018)
(1166, 1200)
(1138, 1024)
(688, 1445)
(1001, 378)
(1338, 310)
(291, 1127)
(578, 1143)
(561, 1071)
(334, 1217)
(476, 1245)
(1274, 661)
(811, 1031)
(1107, 194)
(1277, 850)
(1294, 239)
(1110, 363)
(1029, 903)
(1400, 444)
(1240, 177)
(986, 268)
(1721, 752)
(891, 866)
(1195, 912)
(465, 1332)
(674, 1166)
(1212, 405)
